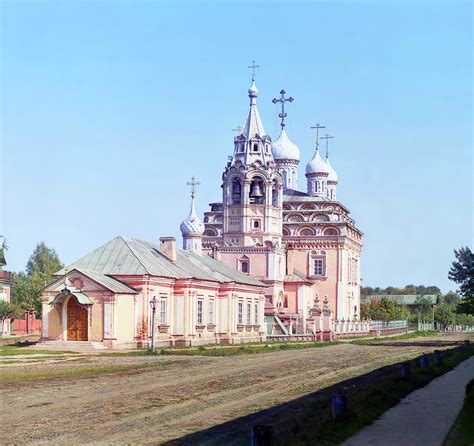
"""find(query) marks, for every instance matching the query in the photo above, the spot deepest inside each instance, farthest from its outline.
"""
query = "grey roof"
(402, 299)
(296, 278)
(108, 282)
(128, 256)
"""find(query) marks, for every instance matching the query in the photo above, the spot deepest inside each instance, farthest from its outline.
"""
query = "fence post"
(338, 405)
(406, 370)
(424, 363)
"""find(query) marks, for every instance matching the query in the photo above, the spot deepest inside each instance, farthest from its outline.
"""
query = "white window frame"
(240, 311)
(163, 312)
(199, 312)
(256, 314)
(249, 313)
(211, 312)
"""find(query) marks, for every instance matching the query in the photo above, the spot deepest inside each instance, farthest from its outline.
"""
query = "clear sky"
(108, 108)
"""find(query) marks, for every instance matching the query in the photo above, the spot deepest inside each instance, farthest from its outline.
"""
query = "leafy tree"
(451, 298)
(44, 261)
(444, 314)
(26, 287)
(9, 311)
(462, 273)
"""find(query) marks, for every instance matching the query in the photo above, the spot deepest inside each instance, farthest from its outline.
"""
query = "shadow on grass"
(308, 420)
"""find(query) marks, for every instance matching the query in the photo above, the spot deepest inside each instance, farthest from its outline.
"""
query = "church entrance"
(76, 321)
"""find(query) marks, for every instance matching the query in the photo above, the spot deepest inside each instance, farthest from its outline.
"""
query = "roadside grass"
(255, 348)
(462, 432)
(14, 377)
(411, 335)
(227, 350)
(367, 400)
(19, 349)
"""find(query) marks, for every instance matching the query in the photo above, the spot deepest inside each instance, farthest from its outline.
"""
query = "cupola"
(192, 228)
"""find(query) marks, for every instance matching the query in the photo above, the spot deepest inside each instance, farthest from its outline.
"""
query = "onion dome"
(317, 165)
(253, 90)
(283, 148)
(332, 173)
(192, 225)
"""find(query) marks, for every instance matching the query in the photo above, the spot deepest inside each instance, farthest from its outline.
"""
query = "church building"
(269, 259)
(303, 245)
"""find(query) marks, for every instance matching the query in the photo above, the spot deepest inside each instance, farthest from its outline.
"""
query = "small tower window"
(256, 224)
(255, 147)
(244, 266)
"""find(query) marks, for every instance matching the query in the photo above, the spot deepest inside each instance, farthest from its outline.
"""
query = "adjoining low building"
(412, 301)
(5, 286)
(104, 298)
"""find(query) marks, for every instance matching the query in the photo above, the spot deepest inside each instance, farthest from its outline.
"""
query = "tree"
(451, 298)
(9, 311)
(26, 288)
(444, 314)
(44, 261)
(462, 273)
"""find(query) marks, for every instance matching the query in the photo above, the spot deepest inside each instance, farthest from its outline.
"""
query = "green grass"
(462, 432)
(16, 349)
(15, 377)
(367, 401)
(411, 335)
(227, 350)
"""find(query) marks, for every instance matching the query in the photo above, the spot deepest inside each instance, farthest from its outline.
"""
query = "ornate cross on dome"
(281, 100)
(193, 183)
(327, 137)
(253, 66)
(317, 127)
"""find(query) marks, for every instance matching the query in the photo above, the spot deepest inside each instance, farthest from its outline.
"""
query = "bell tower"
(252, 186)
(252, 203)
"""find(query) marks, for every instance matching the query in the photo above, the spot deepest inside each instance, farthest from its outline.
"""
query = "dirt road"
(179, 395)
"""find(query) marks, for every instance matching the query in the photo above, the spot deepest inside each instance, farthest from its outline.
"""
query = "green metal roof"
(128, 256)
(402, 299)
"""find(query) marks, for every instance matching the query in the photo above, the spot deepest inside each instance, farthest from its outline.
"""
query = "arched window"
(257, 191)
(236, 192)
(256, 224)
(331, 231)
(275, 193)
(255, 147)
(244, 266)
(307, 232)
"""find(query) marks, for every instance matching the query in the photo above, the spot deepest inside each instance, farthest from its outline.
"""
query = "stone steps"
(88, 346)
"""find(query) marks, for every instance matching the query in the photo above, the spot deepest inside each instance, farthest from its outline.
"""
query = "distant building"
(411, 301)
(5, 288)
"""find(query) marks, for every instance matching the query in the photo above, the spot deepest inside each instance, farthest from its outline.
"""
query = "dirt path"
(426, 414)
(180, 395)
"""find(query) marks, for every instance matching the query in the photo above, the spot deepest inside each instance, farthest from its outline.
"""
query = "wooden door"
(76, 321)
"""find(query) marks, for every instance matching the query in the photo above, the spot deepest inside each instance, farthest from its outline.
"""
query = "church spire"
(252, 144)
(192, 228)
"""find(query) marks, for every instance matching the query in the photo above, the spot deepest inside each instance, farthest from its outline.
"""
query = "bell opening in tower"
(257, 189)
(236, 192)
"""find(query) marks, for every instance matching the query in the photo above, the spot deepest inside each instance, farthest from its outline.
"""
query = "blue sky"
(108, 108)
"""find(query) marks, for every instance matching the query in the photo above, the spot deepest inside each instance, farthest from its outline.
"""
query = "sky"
(109, 107)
